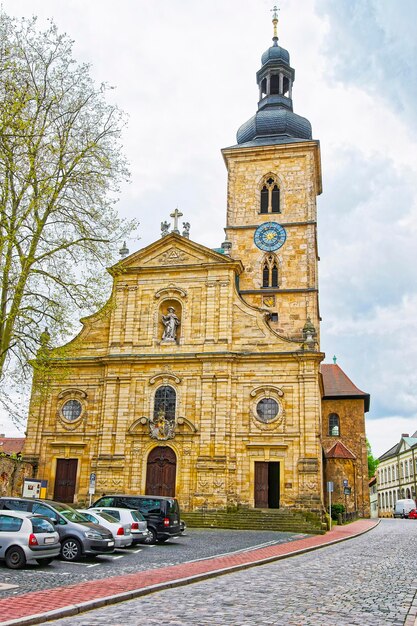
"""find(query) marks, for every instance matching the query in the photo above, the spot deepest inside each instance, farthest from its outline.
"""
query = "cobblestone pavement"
(196, 544)
(368, 581)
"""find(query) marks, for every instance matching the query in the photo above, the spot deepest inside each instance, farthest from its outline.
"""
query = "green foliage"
(337, 509)
(372, 461)
(17, 457)
(61, 166)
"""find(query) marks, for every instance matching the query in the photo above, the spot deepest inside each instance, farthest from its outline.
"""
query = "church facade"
(200, 378)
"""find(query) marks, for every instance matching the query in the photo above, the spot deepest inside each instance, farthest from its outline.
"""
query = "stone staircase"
(284, 520)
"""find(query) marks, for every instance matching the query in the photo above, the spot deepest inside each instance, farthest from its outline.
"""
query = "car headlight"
(92, 534)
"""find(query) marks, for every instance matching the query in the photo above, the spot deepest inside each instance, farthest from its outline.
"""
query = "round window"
(267, 409)
(72, 410)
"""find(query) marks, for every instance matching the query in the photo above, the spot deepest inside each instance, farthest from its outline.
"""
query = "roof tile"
(336, 384)
(10, 445)
(339, 451)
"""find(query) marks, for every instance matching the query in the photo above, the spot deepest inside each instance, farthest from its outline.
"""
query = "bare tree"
(60, 170)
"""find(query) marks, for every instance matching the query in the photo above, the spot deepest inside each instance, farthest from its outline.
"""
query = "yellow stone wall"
(228, 355)
(296, 167)
(225, 359)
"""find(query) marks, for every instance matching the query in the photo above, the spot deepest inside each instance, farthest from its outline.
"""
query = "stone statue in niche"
(171, 323)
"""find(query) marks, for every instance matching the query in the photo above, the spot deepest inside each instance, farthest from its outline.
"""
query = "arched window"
(270, 200)
(164, 405)
(270, 271)
(334, 426)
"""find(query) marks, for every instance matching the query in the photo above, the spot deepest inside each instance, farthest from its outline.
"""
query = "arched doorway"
(161, 472)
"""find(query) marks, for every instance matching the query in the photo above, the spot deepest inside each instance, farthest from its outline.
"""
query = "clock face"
(270, 236)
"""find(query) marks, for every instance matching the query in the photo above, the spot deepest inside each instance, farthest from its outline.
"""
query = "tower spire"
(275, 120)
(275, 23)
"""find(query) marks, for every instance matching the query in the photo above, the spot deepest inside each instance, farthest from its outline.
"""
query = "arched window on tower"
(334, 425)
(270, 271)
(270, 196)
(165, 401)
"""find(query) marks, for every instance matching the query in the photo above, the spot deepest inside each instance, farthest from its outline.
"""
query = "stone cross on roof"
(176, 215)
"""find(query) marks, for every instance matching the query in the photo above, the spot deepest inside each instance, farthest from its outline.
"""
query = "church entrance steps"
(283, 520)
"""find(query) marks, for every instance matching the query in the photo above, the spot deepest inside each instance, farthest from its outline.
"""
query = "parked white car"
(121, 531)
(139, 527)
(27, 537)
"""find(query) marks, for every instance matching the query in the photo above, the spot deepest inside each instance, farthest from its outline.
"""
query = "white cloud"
(385, 432)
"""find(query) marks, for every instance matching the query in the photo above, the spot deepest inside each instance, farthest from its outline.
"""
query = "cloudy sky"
(184, 71)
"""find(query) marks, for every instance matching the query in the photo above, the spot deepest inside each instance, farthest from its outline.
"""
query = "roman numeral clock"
(270, 236)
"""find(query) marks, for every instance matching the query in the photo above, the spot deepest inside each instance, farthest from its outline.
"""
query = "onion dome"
(276, 53)
(275, 120)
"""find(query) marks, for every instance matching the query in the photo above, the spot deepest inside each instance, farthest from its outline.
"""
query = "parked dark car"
(77, 534)
(161, 513)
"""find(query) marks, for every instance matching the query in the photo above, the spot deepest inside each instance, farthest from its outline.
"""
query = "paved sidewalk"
(39, 607)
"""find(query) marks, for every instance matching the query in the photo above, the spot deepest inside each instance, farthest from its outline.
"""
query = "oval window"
(267, 409)
(72, 410)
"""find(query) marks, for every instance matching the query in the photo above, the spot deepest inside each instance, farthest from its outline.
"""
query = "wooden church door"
(65, 478)
(267, 485)
(161, 472)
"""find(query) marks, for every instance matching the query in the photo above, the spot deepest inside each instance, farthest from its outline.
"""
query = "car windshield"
(108, 518)
(61, 508)
(74, 516)
(42, 525)
(137, 516)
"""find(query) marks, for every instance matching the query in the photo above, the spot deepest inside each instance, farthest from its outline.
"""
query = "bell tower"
(274, 177)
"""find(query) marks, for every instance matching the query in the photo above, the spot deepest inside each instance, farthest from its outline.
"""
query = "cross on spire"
(176, 215)
(274, 11)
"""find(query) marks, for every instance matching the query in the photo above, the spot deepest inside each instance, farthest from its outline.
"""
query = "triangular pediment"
(169, 251)
(339, 451)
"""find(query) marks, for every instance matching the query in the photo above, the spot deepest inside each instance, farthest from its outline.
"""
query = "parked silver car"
(139, 527)
(26, 537)
(77, 535)
(121, 531)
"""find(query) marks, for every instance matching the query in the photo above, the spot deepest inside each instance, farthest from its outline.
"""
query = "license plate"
(49, 540)
(111, 543)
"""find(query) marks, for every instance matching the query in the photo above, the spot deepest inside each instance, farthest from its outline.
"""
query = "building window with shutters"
(270, 196)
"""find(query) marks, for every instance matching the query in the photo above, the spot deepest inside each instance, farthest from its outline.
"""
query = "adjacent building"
(396, 474)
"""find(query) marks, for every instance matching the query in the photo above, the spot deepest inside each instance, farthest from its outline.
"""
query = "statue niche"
(170, 321)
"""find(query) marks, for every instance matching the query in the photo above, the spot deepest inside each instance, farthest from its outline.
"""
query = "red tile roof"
(339, 451)
(11, 445)
(337, 385)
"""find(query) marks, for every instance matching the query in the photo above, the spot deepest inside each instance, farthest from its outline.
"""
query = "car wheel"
(15, 558)
(70, 550)
(151, 538)
(47, 561)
